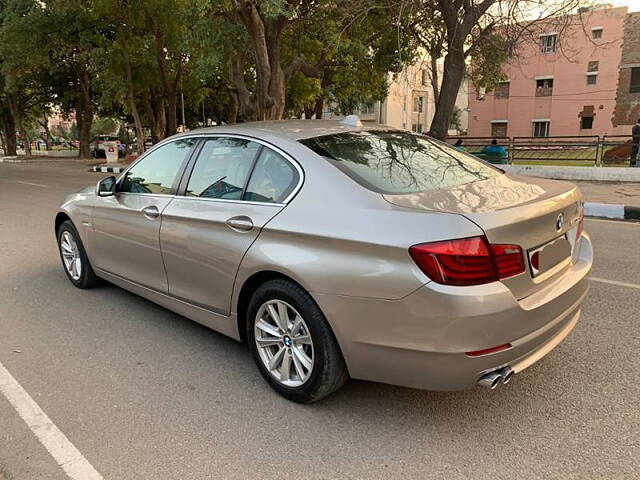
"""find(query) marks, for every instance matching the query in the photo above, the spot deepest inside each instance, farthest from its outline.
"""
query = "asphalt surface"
(146, 394)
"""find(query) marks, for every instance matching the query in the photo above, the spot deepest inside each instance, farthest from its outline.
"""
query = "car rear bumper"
(420, 341)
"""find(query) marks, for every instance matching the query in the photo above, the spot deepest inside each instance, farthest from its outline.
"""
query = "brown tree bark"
(9, 134)
(169, 85)
(132, 104)
(155, 107)
(16, 113)
(454, 67)
(44, 123)
(84, 111)
(265, 37)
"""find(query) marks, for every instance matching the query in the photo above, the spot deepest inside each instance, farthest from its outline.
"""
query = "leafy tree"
(487, 31)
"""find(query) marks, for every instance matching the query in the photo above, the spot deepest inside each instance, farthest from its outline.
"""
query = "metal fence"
(582, 150)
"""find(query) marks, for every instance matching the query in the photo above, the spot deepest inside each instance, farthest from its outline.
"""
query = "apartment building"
(410, 101)
(569, 82)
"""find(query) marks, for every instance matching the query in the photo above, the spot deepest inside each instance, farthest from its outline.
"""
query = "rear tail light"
(509, 260)
(467, 261)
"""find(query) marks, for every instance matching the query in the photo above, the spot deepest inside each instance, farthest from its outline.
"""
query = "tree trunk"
(169, 87)
(9, 134)
(451, 81)
(14, 107)
(319, 107)
(435, 84)
(84, 112)
(309, 110)
(132, 104)
(265, 38)
(47, 133)
(155, 107)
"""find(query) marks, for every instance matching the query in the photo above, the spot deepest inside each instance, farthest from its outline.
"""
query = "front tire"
(292, 343)
(74, 258)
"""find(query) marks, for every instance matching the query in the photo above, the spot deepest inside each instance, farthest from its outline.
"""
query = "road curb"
(107, 169)
(608, 210)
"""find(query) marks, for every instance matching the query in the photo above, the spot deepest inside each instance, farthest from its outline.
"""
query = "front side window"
(596, 33)
(390, 161)
(157, 172)
(272, 180)
(222, 168)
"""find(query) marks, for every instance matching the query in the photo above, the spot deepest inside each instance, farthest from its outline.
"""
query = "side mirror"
(106, 187)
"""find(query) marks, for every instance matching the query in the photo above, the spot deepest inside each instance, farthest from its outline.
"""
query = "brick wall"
(627, 108)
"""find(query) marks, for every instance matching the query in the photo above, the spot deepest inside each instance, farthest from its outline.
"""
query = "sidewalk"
(610, 192)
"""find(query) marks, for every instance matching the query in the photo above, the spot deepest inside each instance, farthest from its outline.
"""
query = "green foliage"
(488, 58)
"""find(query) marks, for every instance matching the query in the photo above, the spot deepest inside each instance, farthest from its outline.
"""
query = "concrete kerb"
(598, 174)
(615, 211)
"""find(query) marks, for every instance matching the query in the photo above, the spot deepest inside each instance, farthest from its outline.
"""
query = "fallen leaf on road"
(17, 351)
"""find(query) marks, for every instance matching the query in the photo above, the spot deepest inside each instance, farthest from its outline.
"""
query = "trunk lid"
(525, 211)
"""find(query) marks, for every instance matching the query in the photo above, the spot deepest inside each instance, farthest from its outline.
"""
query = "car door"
(235, 187)
(126, 226)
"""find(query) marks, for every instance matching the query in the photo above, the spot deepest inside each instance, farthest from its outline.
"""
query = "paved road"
(144, 393)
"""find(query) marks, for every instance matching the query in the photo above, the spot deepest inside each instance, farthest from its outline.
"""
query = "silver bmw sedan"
(338, 251)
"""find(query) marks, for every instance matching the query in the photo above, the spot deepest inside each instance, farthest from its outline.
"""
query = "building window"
(498, 129)
(592, 78)
(416, 127)
(544, 87)
(502, 90)
(548, 43)
(541, 128)
(418, 104)
(425, 77)
(593, 66)
(596, 33)
(634, 85)
(586, 123)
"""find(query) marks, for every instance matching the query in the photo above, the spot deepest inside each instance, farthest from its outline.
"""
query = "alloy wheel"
(284, 343)
(71, 255)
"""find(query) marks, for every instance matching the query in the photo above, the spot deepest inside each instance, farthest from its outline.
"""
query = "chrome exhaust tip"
(490, 380)
(506, 374)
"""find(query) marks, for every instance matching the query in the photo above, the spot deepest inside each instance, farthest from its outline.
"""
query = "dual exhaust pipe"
(492, 379)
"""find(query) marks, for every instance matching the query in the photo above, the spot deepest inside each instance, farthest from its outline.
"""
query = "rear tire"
(74, 258)
(305, 357)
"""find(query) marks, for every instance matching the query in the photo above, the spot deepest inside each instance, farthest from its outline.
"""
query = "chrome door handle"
(151, 212)
(241, 223)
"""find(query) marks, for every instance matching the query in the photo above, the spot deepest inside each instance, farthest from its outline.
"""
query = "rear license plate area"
(547, 256)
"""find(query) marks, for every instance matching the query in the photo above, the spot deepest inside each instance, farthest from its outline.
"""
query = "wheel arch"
(247, 290)
(61, 217)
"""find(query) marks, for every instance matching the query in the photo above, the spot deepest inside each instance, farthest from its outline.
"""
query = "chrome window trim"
(264, 143)
(227, 200)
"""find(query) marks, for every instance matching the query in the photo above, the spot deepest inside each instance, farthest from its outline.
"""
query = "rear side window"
(272, 179)
(395, 162)
(222, 168)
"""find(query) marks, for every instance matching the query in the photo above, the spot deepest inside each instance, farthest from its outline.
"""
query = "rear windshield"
(391, 161)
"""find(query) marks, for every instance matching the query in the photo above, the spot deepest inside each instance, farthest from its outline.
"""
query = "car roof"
(289, 129)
